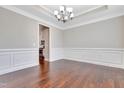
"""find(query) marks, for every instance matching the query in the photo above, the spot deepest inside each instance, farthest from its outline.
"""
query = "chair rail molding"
(113, 57)
(16, 59)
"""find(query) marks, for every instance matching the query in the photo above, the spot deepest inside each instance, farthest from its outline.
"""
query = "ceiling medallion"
(64, 14)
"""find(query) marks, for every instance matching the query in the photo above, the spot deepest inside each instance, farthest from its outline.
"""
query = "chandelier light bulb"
(69, 9)
(64, 14)
(62, 8)
(56, 12)
(66, 18)
(58, 16)
(72, 15)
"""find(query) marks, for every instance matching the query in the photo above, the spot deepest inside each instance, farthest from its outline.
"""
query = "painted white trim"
(60, 53)
(17, 59)
(13, 69)
(76, 15)
(109, 49)
(113, 57)
(19, 49)
(19, 11)
(93, 21)
(97, 63)
(91, 10)
(47, 10)
(56, 54)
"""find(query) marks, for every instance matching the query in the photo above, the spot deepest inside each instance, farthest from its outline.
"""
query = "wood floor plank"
(64, 74)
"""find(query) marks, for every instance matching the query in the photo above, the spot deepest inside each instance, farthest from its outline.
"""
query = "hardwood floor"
(65, 74)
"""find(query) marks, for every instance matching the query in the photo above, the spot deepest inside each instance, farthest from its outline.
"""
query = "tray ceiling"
(84, 14)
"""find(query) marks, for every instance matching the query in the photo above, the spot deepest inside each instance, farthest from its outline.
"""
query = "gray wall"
(56, 38)
(17, 31)
(104, 34)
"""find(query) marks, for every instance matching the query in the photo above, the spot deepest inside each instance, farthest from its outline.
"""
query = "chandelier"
(64, 14)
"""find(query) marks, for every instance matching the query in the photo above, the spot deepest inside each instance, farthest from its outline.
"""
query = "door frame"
(49, 42)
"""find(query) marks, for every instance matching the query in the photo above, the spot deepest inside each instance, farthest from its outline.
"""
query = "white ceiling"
(77, 8)
(84, 14)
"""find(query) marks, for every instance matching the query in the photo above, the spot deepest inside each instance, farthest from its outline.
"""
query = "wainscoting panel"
(103, 56)
(16, 59)
(5, 60)
(114, 57)
(22, 58)
(56, 54)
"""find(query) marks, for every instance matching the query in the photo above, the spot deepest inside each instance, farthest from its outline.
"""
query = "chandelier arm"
(64, 15)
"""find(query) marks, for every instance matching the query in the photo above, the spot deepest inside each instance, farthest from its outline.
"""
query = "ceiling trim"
(46, 23)
(94, 21)
(76, 15)
(91, 10)
(24, 13)
(46, 9)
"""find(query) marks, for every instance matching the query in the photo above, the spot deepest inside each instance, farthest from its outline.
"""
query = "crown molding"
(24, 13)
(46, 9)
(94, 21)
(76, 15)
(91, 10)
(63, 27)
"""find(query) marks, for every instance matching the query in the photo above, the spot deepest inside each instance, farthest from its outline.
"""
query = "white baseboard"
(56, 54)
(97, 63)
(16, 59)
(8, 70)
(112, 57)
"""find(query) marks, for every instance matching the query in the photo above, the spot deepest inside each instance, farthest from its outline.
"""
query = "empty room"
(61, 46)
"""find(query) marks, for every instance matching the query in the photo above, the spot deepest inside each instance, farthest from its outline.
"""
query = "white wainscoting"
(102, 56)
(56, 54)
(16, 59)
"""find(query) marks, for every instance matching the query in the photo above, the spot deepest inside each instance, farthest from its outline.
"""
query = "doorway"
(43, 43)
